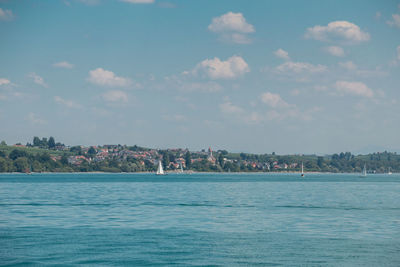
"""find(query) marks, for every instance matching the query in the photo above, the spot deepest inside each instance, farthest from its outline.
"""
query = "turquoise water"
(199, 219)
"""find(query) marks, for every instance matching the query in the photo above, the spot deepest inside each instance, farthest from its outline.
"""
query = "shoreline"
(188, 173)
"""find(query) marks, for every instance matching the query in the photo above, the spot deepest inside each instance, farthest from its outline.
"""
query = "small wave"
(178, 204)
(54, 204)
(195, 204)
(335, 208)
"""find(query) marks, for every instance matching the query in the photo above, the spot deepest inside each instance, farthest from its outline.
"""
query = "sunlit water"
(199, 219)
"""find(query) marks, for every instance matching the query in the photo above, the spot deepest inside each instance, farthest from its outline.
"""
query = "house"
(77, 160)
(55, 158)
(19, 145)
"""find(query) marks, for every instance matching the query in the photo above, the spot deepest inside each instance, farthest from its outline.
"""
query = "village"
(44, 154)
(172, 159)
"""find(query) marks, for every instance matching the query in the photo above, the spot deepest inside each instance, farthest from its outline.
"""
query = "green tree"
(221, 160)
(36, 141)
(113, 163)
(64, 159)
(165, 160)
(17, 153)
(21, 164)
(91, 152)
(44, 157)
(320, 162)
(3, 143)
(51, 143)
(224, 152)
(44, 142)
(37, 166)
(188, 160)
(76, 149)
(3, 165)
(125, 167)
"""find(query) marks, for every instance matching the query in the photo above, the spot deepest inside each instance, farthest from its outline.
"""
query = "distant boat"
(389, 172)
(364, 172)
(302, 170)
(160, 170)
(181, 170)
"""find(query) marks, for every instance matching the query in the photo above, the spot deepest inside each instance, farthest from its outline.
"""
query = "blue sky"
(253, 76)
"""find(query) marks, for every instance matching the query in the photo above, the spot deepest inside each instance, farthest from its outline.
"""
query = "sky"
(246, 76)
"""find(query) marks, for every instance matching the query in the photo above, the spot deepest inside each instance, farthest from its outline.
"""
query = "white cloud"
(348, 65)
(37, 79)
(282, 54)
(4, 81)
(395, 20)
(230, 109)
(6, 14)
(354, 88)
(63, 64)
(231, 22)
(67, 103)
(103, 77)
(336, 51)
(273, 100)
(139, 1)
(34, 119)
(342, 31)
(115, 96)
(398, 52)
(231, 68)
(300, 67)
(232, 27)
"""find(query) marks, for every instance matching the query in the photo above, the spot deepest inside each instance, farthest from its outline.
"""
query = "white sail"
(364, 173)
(160, 170)
(302, 170)
(181, 168)
(389, 172)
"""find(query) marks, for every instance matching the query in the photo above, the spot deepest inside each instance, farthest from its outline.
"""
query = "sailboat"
(389, 172)
(364, 172)
(160, 170)
(181, 169)
(302, 170)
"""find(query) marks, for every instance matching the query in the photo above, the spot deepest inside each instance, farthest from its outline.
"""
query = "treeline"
(379, 162)
(42, 156)
(49, 143)
(20, 160)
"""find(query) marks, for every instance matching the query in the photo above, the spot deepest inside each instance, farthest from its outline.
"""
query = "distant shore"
(191, 172)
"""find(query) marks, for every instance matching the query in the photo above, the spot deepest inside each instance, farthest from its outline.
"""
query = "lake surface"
(199, 219)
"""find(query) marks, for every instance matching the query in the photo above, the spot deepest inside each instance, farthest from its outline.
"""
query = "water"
(199, 219)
